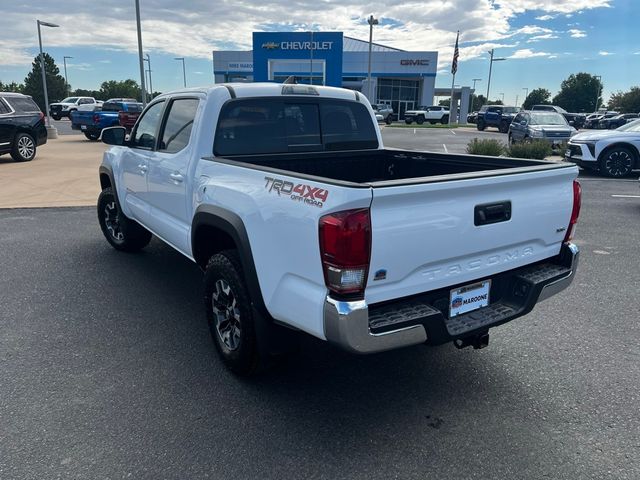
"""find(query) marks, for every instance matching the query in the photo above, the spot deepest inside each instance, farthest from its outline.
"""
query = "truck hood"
(63, 104)
(603, 135)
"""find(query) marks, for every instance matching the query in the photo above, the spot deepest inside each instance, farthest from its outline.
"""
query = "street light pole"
(66, 82)
(371, 21)
(184, 73)
(491, 60)
(44, 76)
(148, 60)
(143, 89)
(502, 97)
(599, 78)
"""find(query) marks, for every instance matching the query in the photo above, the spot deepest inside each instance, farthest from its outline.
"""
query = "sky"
(543, 41)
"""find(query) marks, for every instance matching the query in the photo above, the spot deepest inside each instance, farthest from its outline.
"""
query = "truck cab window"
(146, 131)
(177, 128)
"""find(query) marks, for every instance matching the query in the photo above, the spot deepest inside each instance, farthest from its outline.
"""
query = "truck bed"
(388, 166)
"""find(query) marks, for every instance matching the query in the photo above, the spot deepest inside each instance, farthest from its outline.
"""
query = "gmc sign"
(421, 62)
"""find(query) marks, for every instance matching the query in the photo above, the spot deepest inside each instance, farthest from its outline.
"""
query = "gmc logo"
(422, 62)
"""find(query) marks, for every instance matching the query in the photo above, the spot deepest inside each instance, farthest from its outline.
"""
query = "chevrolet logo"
(271, 45)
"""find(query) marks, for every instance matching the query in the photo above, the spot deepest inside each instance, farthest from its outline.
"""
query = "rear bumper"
(359, 328)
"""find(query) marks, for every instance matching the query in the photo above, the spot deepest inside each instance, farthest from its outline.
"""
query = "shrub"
(492, 147)
(535, 150)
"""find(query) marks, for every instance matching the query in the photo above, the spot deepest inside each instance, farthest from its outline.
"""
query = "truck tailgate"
(437, 234)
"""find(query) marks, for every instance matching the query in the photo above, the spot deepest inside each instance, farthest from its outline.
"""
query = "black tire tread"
(246, 360)
(136, 237)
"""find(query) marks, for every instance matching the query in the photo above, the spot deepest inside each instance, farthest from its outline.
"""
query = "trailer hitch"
(478, 341)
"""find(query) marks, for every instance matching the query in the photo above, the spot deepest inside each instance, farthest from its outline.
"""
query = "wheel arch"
(214, 230)
(629, 146)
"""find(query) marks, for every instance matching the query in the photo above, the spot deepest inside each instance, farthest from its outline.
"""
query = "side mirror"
(114, 135)
(523, 122)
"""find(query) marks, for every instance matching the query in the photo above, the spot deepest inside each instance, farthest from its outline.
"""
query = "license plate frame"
(469, 298)
(83, 127)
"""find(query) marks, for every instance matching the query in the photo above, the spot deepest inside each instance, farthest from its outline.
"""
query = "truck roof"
(270, 89)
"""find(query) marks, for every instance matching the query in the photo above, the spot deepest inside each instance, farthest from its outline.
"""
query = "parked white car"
(432, 114)
(71, 104)
(614, 153)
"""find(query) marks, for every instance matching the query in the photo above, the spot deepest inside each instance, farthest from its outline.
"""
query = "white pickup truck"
(303, 222)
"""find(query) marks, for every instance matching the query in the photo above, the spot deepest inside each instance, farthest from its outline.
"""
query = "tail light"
(41, 115)
(96, 119)
(575, 211)
(345, 250)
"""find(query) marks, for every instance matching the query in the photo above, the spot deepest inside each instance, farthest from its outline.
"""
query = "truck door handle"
(143, 168)
(489, 213)
(176, 177)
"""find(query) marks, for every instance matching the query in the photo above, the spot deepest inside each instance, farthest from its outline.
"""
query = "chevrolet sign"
(423, 62)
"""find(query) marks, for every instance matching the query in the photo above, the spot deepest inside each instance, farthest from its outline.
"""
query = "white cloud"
(577, 33)
(546, 36)
(533, 30)
(528, 53)
(544, 18)
(605, 53)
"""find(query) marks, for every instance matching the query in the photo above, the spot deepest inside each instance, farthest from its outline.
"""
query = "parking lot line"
(445, 148)
(626, 196)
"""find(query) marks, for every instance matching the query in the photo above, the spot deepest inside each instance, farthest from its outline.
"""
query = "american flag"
(456, 54)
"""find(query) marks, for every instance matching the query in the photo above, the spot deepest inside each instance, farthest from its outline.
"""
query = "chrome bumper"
(346, 324)
(562, 283)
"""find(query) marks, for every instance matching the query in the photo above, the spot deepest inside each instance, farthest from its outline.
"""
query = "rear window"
(112, 107)
(251, 127)
(23, 104)
(4, 108)
(134, 107)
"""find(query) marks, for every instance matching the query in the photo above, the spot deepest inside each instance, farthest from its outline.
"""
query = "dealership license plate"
(468, 298)
(83, 127)
(567, 153)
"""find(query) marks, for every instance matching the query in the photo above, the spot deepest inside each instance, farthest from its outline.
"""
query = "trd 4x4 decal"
(301, 192)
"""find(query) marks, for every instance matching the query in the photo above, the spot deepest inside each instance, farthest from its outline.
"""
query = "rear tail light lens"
(575, 211)
(345, 250)
(96, 119)
(41, 115)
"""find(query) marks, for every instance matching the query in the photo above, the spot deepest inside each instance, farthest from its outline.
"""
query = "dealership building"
(404, 80)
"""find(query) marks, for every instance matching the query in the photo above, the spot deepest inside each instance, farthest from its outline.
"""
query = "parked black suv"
(22, 127)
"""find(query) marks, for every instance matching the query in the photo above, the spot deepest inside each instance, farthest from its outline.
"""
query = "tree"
(81, 92)
(11, 87)
(578, 93)
(126, 88)
(55, 82)
(626, 102)
(537, 96)
(445, 103)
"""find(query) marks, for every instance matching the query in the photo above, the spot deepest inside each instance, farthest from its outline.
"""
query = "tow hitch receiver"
(481, 340)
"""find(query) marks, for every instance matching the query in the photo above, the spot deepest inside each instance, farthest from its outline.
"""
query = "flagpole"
(454, 68)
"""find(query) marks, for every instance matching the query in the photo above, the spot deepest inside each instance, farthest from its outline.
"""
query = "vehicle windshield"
(432, 109)
(510, 110)
(70, 100)
(630, 127)
(547, 118)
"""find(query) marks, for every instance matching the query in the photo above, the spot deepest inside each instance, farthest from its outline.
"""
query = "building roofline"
(374, 43)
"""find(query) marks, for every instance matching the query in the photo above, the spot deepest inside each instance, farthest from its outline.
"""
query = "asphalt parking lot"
(108, 371)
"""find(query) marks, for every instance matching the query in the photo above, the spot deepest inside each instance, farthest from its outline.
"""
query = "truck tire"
(92, 136)
(121, 232)
(56, 117)
(504, 126)
(616, 162)
(388, 120)
(420, 119)
(480, 125)
(24, 148)
(408, 121)
(445, 119)
(230, 314)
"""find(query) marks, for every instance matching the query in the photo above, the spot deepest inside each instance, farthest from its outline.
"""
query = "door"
(168, 174)
(517, 128)
(135, 163)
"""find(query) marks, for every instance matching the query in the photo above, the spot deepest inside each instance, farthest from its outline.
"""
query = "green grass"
(428, 125)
